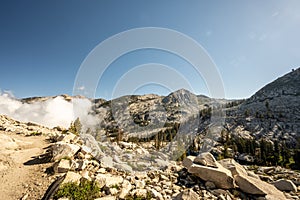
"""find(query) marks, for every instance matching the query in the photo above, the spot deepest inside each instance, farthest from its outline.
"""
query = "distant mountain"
(272, 113)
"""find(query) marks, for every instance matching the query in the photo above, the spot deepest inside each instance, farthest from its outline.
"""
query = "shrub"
(86, 190)
(36, 133)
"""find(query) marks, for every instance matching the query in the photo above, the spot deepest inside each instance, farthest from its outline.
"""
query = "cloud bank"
(51, 112)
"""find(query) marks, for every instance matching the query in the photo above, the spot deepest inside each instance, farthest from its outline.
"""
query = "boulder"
(72, 177)
(206, 159)
(220, 176)
(266, 170)
(127, 145)
(245, 158)
(90, 142)
(67, 138)
(188, 194)
(62, 166)
(255, 186)
(63, 150)
(285, 185)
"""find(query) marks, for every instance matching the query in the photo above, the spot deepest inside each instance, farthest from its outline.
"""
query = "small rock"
(156, 194)
(67, 138)
(142, 193)
(126, 187)
(82, 164)
(188, 161)
(85, 174)
(106, 161)
(109, 179)
(163, 177)
(72, 177)
(80, 155)
(101, 170)
(113, 191)
(86, 150)
(266, 170)
(63, 166)
(206, 159)
(140, 184)
(188, 194)
(24, 197)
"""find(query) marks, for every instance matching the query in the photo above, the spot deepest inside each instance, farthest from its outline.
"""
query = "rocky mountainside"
(272, 112)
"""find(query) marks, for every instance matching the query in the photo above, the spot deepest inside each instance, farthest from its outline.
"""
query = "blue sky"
(43, 43)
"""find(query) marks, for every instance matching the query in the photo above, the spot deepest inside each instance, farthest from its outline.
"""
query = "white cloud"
(81, 88)
(52, 112)
(275, 14)
(208, 33)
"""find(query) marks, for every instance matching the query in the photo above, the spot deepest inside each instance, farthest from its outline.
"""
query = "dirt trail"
(21, 171)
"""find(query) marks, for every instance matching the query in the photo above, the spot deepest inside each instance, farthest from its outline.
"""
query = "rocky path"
(22, 175)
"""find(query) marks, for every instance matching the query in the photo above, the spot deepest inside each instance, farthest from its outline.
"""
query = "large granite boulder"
(220, 176)
(63, 150)
(255, 186)
(250, 184)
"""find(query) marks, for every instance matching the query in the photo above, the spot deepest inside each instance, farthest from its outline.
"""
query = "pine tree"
(297, 158)
(276, 153)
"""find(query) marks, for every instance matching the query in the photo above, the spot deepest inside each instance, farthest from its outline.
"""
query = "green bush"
(86, 190)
